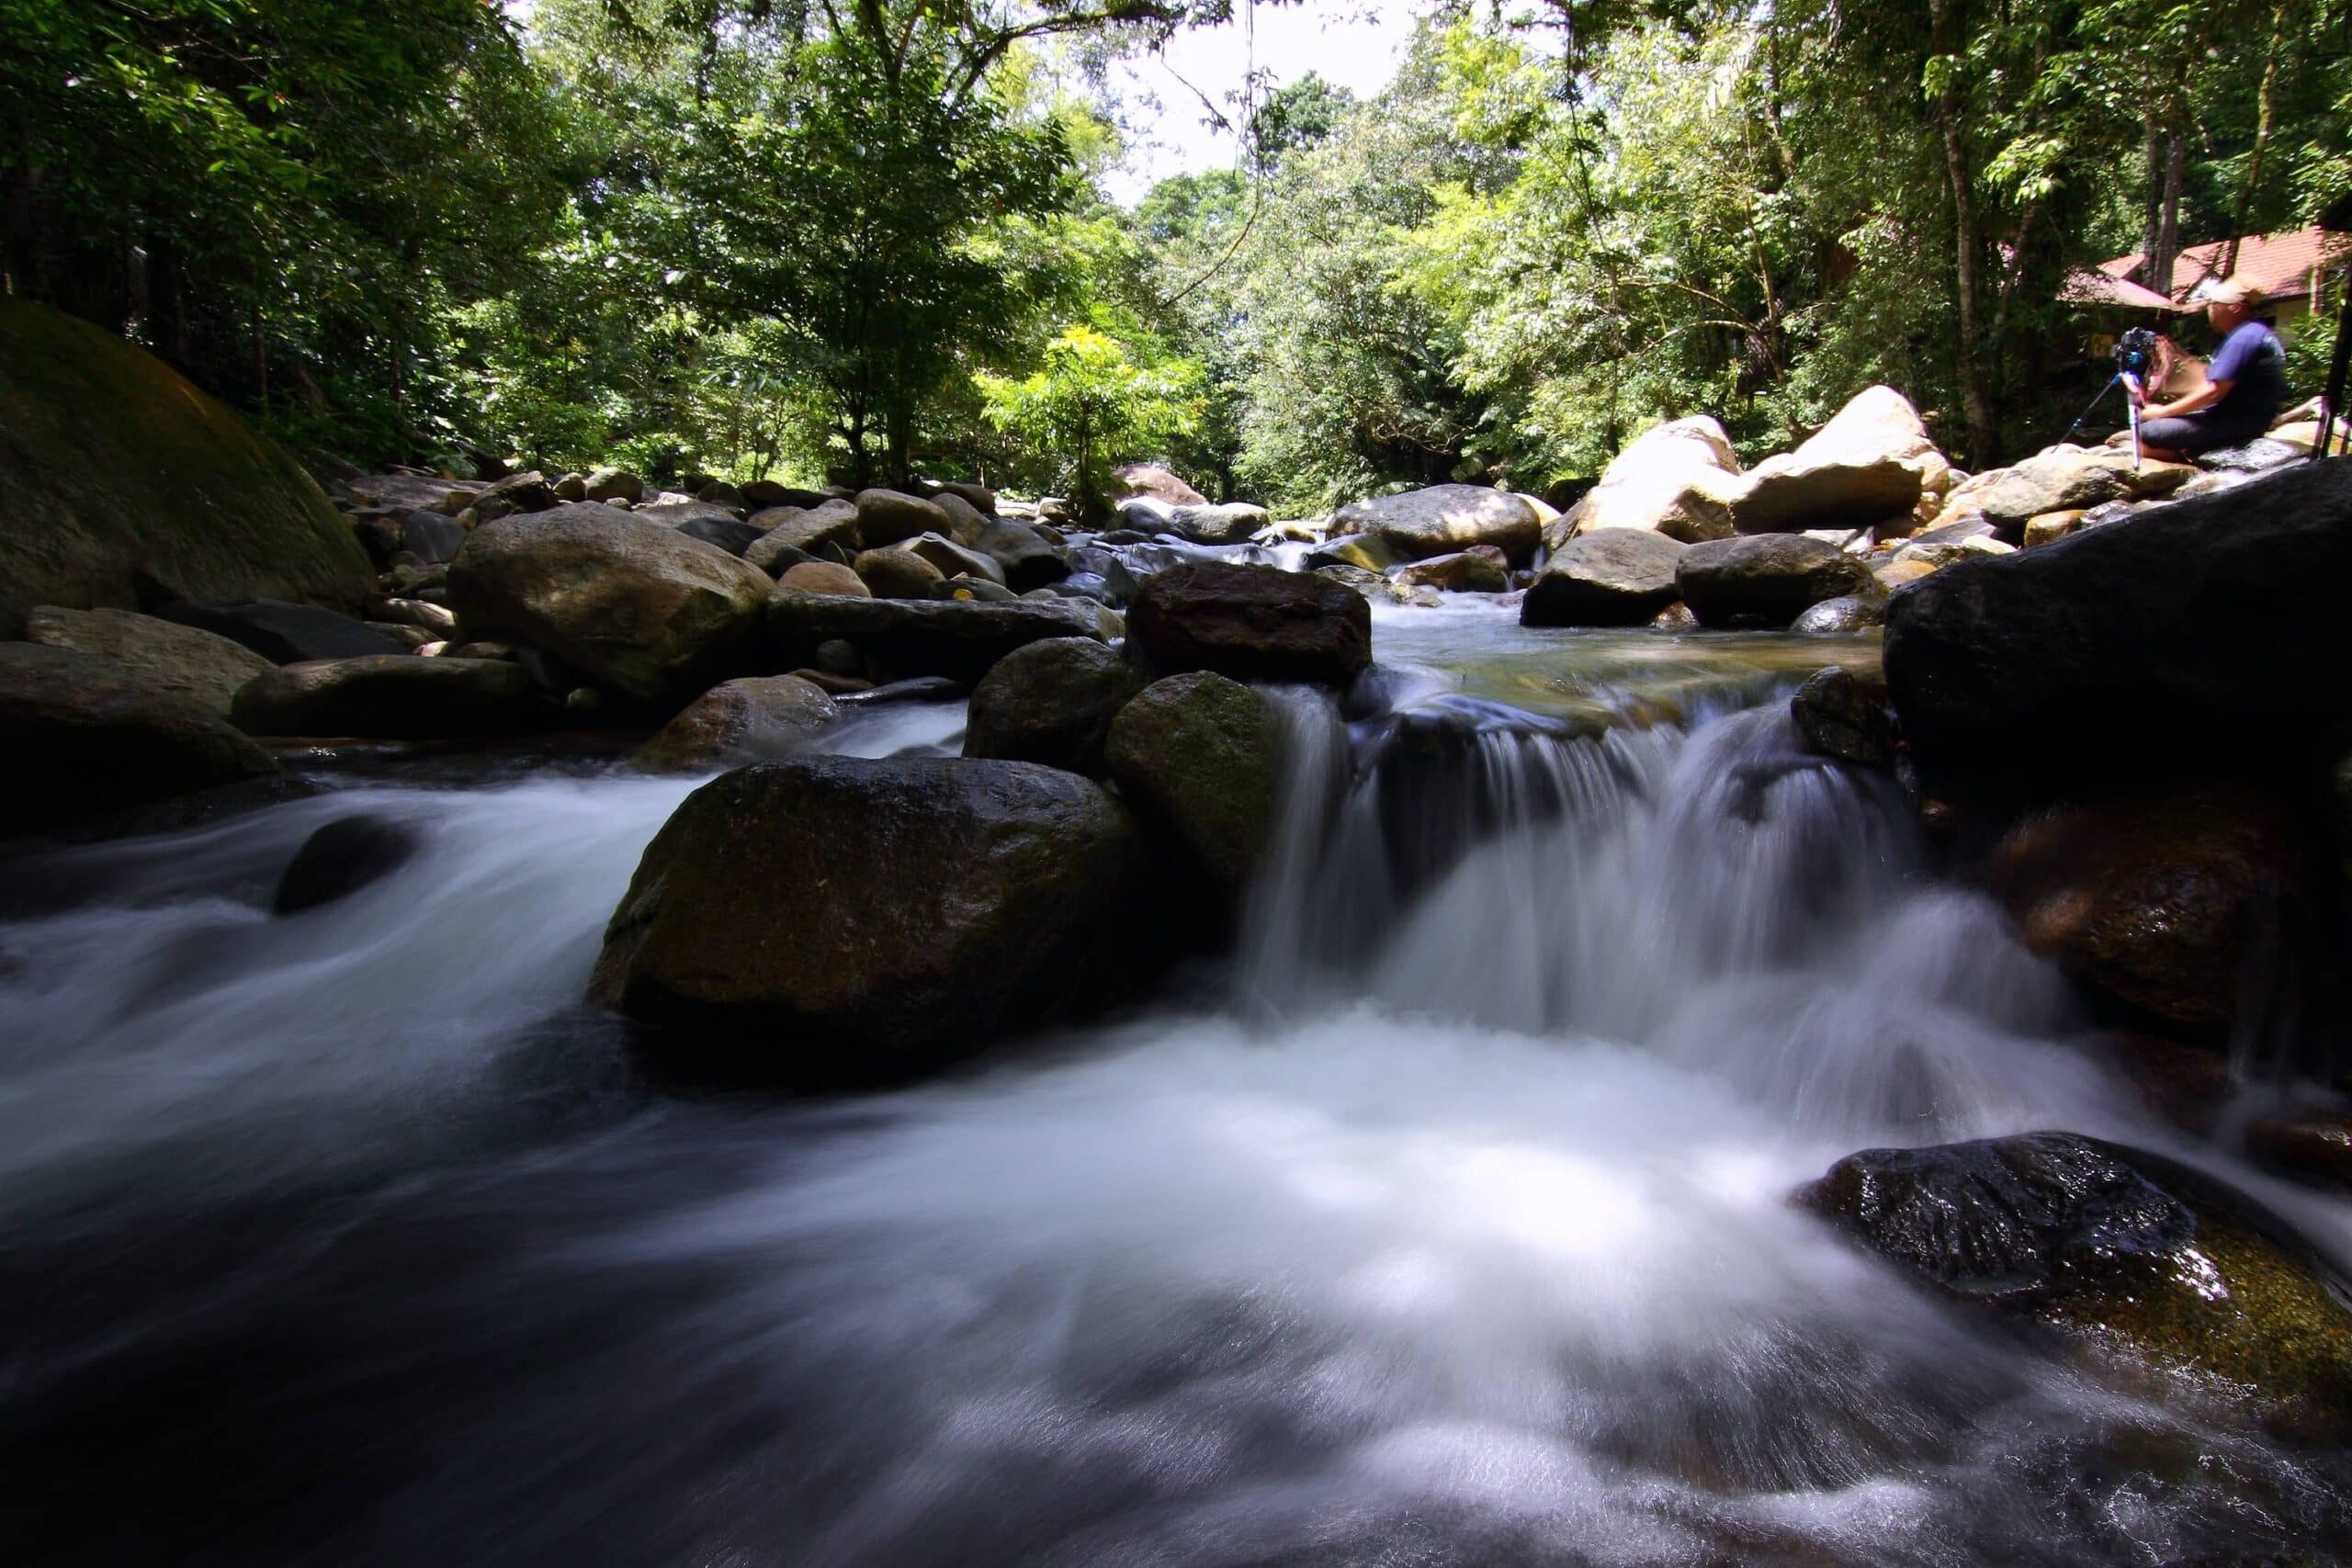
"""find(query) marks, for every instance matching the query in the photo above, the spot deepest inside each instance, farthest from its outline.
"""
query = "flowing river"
(1446, 1225)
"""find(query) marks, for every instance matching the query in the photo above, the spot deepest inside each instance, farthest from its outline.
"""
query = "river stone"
(1255, 623)
(2059, 478)
(2254, 457)
(896, 573)
(2159, 901)
(1613, 577)
(2217, 618)
(1833, 617)
(1364, 552)
(965, 521)
(2044, 527)
(1765, 581)
(2313, 1145)
(1232, 524)
(954, 560)
(431, 537)
(1203, 755)
(958, 638)
(1844, 716)
(1872, 460)
(854, 920)
(1149, 479)
(121, 485)
(2145, 1265)
(82, 737)
(342, 858)
(824, 576)
(1029, 559)
(1678, 479)
(615, 484)
(283, 633)
(758, 719)
(733, 534)
(394, 698)
(801, 528)
(887, 516)
(679, 514)
(1052, 703)
(420, 492)
(199, 667)
(1444, 518)
(1479, 570)
(640, 609)
(979, 498)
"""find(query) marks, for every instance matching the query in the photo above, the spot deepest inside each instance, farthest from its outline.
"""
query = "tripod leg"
(2092, 407)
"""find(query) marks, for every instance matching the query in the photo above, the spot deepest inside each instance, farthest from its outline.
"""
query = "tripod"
(2130, 384)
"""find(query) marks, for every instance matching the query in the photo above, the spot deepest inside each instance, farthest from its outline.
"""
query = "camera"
(2135, 351)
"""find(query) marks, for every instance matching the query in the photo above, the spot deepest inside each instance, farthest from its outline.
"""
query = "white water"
(1459, 1236)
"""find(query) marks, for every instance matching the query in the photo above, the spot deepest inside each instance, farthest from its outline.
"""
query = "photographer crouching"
(2246, 382)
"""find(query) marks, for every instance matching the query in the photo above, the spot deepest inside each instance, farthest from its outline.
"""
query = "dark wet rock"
(1051, 702)
(527, 492)
(757, 719)
(342, 858)
(915, 689)
(2217, 618)
(1202, 756)
(960, 639)
(202, 668)
(2166, 901)
(762, 494)
(1231, 523)
(284, 633)
(1030, 561)
(430, 537)
(392, 698)
(1612, 577)
(2313, 1145)
(2188, 1086)
(641, 610)
(1852, 612)
(1444, 518)
(733, 534)
(1843, 715)
(1765, 581)
(855, 921)
(2147, 1266)
(82, 738)
(1249, 622)
(979, 498)
(1479, 570)
(885, 516)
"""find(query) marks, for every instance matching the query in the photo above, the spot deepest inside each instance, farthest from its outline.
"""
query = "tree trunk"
(2267, 114)
(1975, 398)
(2166, 250)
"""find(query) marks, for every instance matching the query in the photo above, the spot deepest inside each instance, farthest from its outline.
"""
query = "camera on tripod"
(2135, 353)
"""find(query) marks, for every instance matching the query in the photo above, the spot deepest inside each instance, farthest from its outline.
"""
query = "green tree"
(1093, 401)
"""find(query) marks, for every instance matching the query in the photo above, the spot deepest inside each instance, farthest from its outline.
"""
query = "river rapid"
(1445, 1225)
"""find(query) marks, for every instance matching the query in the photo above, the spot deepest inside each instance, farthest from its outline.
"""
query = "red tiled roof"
(2280, 264)
(2103, 288)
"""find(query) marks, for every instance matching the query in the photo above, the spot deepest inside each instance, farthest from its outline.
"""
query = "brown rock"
(825, 577)
(760, 718)
(1249, 622)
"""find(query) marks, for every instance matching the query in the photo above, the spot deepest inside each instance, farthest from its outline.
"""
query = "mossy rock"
(1202, 756)
(123, 486)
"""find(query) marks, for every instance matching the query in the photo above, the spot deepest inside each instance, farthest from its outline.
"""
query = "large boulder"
(83, 737)
(1028, 558)
(392, 698)
(854, 920)
(887, 516)
(801, 528)
(1202, 756)
(2059, 479)
(1765, 581)
(2218, 618)
(199, 667)
(1444, 518)
(2144, 1265)
(640, 609)
(2163, 900)
(1157, 483)
(1203, 525)
(610, 483)
(1678, 479)
(1872, 461)
(1254, 623)
(284, 633)
(958, 638)
(758, 719)
(123, 486)
(1051, 702)
(1616, 576)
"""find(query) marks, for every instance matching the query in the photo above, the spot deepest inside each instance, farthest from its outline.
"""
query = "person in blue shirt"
(2246, 383)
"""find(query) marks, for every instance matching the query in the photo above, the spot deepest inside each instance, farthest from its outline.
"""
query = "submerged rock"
(1249, 622)
(2147, 1266)
(1203, 755)
(1444, 518)
(1051, 702)
(342, 858)
(758, 719)
(391, 697)
(640, 609)
(1841, 714)
(1613, 577)
(853, 920)
(204, 668)
(1767, 581)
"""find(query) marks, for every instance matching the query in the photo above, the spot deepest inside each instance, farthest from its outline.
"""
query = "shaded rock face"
(432, 538)
(2147, 1265)
(637, 608)
(417, 491)
(1843, 716)
(965, 521)
(340, 859)
(284, 633)
(1203, 755)
(1678, 479)
(1870, 462)
(1444, 518)
(1052, 703)
(758, 719)
(1480, 569)
(82, 737)
(1615, 577)
(199, 667)
(394, 698)
(1149, 479)
(1765, 582)
(122, 486)
(1029, 560)
(1252, 623)
(952, 560)
(960, 639)
(858, 920)
(614, 484)
(801, 528)
(733, 534)
(884, 517)
(2217, 618)
(896, 573)
(2164, 902)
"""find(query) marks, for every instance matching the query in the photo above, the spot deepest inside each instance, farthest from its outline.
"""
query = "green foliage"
(1092, 399)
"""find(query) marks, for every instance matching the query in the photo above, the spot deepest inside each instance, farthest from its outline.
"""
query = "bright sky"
(1353, 43)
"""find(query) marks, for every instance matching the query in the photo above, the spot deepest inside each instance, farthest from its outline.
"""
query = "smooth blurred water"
(1452, 1230)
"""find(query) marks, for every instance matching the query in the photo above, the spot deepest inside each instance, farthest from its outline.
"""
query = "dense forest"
(860, 238)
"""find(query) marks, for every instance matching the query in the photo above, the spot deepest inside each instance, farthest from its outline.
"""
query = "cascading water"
(1458, 1236)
